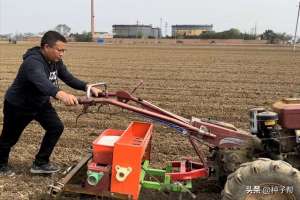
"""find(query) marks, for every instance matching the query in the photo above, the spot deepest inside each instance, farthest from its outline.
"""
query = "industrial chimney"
(92, 19)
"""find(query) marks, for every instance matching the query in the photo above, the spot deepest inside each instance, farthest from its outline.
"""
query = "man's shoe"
(44, 169)
(5, 170)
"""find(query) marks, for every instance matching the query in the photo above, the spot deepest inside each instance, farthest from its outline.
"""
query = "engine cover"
(289, 112)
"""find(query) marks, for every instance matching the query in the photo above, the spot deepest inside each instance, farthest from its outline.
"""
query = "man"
(28, 98)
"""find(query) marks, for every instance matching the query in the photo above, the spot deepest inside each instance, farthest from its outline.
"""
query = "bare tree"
(63, 29)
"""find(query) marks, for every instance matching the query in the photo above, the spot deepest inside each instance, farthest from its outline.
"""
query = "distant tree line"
(233, 33)
(229, 34)
(82, 37)
(78, 37)
(273, 37)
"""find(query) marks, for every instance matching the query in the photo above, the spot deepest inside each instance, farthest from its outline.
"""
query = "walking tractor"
(263, 164)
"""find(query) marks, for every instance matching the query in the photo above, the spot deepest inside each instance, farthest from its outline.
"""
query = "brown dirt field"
(220, 82)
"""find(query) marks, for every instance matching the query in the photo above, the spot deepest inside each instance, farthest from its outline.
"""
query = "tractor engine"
(279, 130)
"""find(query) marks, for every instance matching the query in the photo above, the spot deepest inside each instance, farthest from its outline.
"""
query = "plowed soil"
(218, 82)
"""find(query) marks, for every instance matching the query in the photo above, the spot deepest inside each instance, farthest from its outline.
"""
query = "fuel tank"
(288, 110)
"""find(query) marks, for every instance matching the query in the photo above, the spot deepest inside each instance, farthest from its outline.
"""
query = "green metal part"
(157, 179)
(93, 178)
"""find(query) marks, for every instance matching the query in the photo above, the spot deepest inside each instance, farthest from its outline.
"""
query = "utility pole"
(166, 29)
(295, 36)
(161, 21)
(137, 29)
(175, 32)
(255, 30)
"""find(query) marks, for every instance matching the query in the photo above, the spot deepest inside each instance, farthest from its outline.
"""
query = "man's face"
(56, 52)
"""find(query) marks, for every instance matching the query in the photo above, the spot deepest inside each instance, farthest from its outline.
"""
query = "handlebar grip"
(88, 90)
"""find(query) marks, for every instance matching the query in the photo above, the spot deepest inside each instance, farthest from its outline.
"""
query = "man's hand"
(68, 99)
(95, 91)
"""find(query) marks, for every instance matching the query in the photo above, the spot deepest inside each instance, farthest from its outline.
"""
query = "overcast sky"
(41, 15)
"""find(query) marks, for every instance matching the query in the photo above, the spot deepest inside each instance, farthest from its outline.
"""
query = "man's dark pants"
(16, 119)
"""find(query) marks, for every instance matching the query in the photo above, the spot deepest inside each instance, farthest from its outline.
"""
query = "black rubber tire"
(263, 173)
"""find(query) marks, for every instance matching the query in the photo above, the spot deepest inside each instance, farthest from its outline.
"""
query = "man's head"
(53, 45)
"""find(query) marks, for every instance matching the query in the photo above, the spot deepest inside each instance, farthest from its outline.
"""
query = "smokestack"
(92, 19)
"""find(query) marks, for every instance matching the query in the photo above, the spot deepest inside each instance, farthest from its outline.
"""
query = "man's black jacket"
(37, 80)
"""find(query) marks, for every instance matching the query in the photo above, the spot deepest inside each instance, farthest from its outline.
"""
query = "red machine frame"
(209, 132)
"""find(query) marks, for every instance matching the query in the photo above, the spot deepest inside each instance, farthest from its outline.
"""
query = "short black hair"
(51, 37)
